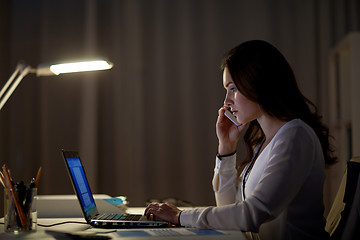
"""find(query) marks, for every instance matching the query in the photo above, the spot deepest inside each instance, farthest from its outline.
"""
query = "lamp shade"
(47, 69)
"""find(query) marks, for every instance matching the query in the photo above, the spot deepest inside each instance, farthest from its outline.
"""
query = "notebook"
(87, 202)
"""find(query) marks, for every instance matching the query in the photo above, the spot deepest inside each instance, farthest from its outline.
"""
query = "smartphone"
(232, 118)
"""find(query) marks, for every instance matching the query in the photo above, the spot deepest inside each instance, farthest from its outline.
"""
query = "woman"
(278, 190)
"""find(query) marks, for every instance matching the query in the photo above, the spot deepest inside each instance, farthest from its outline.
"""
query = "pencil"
(2, 179)
(4, 184)
(37, 177)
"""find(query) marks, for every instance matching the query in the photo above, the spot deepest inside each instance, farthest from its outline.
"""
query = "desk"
(84, 231)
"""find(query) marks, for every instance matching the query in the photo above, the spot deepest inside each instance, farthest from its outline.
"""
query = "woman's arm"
(224, 180)
(225, 173)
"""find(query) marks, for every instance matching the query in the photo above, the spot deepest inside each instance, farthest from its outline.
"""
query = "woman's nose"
(227, 100)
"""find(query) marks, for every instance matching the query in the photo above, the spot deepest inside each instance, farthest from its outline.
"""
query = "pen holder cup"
(20, 216)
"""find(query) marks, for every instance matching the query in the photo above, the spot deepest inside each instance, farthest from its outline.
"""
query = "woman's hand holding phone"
(227, 132)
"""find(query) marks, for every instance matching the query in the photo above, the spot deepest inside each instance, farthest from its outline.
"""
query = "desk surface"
(84, 230)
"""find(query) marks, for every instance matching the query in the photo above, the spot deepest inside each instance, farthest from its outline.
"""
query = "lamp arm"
(20, 72)
(12, 77)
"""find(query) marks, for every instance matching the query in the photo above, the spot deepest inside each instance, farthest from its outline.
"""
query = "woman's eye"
(233, 89)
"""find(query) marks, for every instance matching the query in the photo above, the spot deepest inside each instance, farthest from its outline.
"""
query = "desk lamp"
(46, 69)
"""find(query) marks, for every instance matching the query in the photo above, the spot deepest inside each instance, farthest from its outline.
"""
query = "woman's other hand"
(163, 211)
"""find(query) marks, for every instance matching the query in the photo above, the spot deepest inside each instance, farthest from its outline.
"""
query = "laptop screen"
(81, 185)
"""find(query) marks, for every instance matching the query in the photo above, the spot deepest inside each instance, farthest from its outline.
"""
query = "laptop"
(87, 202)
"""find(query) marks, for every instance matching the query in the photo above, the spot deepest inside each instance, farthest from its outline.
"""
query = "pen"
(29, 198)
(21, 191)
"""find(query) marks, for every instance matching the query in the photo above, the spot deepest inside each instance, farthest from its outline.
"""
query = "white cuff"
(185, 219)
(226, 164)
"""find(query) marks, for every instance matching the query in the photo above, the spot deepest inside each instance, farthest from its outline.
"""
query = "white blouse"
(282, 197)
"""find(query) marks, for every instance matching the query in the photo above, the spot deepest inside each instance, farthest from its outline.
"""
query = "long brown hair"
(262, 74)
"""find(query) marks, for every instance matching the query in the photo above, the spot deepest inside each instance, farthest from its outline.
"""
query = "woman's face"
(243, 109)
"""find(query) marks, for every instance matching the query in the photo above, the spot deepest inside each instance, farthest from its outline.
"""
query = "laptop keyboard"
(114, 216)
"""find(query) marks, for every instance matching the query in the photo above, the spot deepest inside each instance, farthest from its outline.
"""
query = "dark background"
(146, 128)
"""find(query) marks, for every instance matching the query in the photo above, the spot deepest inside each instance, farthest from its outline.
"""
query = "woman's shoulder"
(296, 137)
(296, 129)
